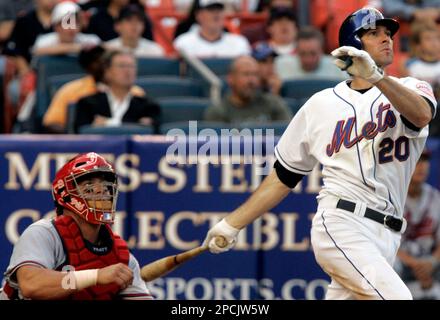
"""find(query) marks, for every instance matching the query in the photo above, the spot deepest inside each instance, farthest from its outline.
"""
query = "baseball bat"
(165, 265)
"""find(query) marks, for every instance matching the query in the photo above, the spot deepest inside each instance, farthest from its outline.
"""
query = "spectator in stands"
(246, 103)
(309, 61)
(55, 118)
(116, 104)
(258, 32)
(419, 251)
(409, 10)
(90, 58)
(18, 46)
(425, 63)
(265, 55)
(9, 11)
(210, 40)
(102, 22)
(66, 38)
(186, 24)
(130, 25)
(282, 30)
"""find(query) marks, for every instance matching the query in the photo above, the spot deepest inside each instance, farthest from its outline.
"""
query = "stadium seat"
(125, 129)
(182, 108)
(159, 86)
(70, 119)
(305, 88)
(47, 67)
(295, 104)
(158, 66)
(277, 126)
(219, 66)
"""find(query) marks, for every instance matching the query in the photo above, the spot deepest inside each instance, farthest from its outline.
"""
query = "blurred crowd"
(266, 46)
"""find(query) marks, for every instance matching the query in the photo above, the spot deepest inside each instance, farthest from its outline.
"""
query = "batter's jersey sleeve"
(138, 290)
(37, 246)
(423, 89)
(293, 148)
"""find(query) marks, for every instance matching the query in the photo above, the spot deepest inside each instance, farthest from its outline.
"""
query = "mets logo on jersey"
(344, 129)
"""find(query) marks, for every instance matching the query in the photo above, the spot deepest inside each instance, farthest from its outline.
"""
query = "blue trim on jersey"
(372, 146)
(355, 128)
(281, 158)
(391, 200)
(336, 245)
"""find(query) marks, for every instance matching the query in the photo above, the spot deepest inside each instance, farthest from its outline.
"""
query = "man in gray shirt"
(79, 240)
(309, 62)
(246, 103)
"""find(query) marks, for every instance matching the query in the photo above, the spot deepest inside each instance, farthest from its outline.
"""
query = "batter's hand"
(363, 65)
(118, 273)
(221, 229)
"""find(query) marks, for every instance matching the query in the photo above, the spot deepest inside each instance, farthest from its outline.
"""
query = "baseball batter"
(76, 255)
(368, 133)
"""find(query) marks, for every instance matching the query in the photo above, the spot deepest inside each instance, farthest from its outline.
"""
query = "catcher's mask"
(87, 185)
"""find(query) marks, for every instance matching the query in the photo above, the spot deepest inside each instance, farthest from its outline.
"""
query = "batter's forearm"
(412, 106)
(268, 195)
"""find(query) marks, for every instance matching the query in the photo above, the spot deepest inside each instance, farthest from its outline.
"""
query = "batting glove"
(221, 229)
(362, 64)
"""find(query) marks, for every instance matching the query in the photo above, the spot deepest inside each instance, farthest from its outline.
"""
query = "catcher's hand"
(359, 63)
(221, 229)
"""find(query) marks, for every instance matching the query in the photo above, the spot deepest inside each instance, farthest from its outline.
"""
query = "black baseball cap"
(278, 13)
(129, 11)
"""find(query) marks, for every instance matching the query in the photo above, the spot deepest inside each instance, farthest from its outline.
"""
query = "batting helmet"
(363, 19)
(93, 201)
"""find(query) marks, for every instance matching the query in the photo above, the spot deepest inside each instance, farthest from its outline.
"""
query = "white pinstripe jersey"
(367, 152)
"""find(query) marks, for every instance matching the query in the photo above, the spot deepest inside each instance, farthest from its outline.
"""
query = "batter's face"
(378, 43)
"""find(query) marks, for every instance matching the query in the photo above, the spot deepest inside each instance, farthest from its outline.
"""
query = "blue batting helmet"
(363, 19)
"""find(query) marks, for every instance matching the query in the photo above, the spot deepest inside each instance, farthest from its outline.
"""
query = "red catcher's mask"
(87, 185)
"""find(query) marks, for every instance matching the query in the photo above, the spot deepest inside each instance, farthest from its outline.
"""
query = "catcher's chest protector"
(81, 258)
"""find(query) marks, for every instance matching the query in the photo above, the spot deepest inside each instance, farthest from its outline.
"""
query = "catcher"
(76, 255)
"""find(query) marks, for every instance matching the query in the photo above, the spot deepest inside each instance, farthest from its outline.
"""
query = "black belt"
(389, 221)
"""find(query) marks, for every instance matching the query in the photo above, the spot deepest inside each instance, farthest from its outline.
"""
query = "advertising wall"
(165, 208)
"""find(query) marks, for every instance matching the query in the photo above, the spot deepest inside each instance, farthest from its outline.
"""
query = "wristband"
(85, 278)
